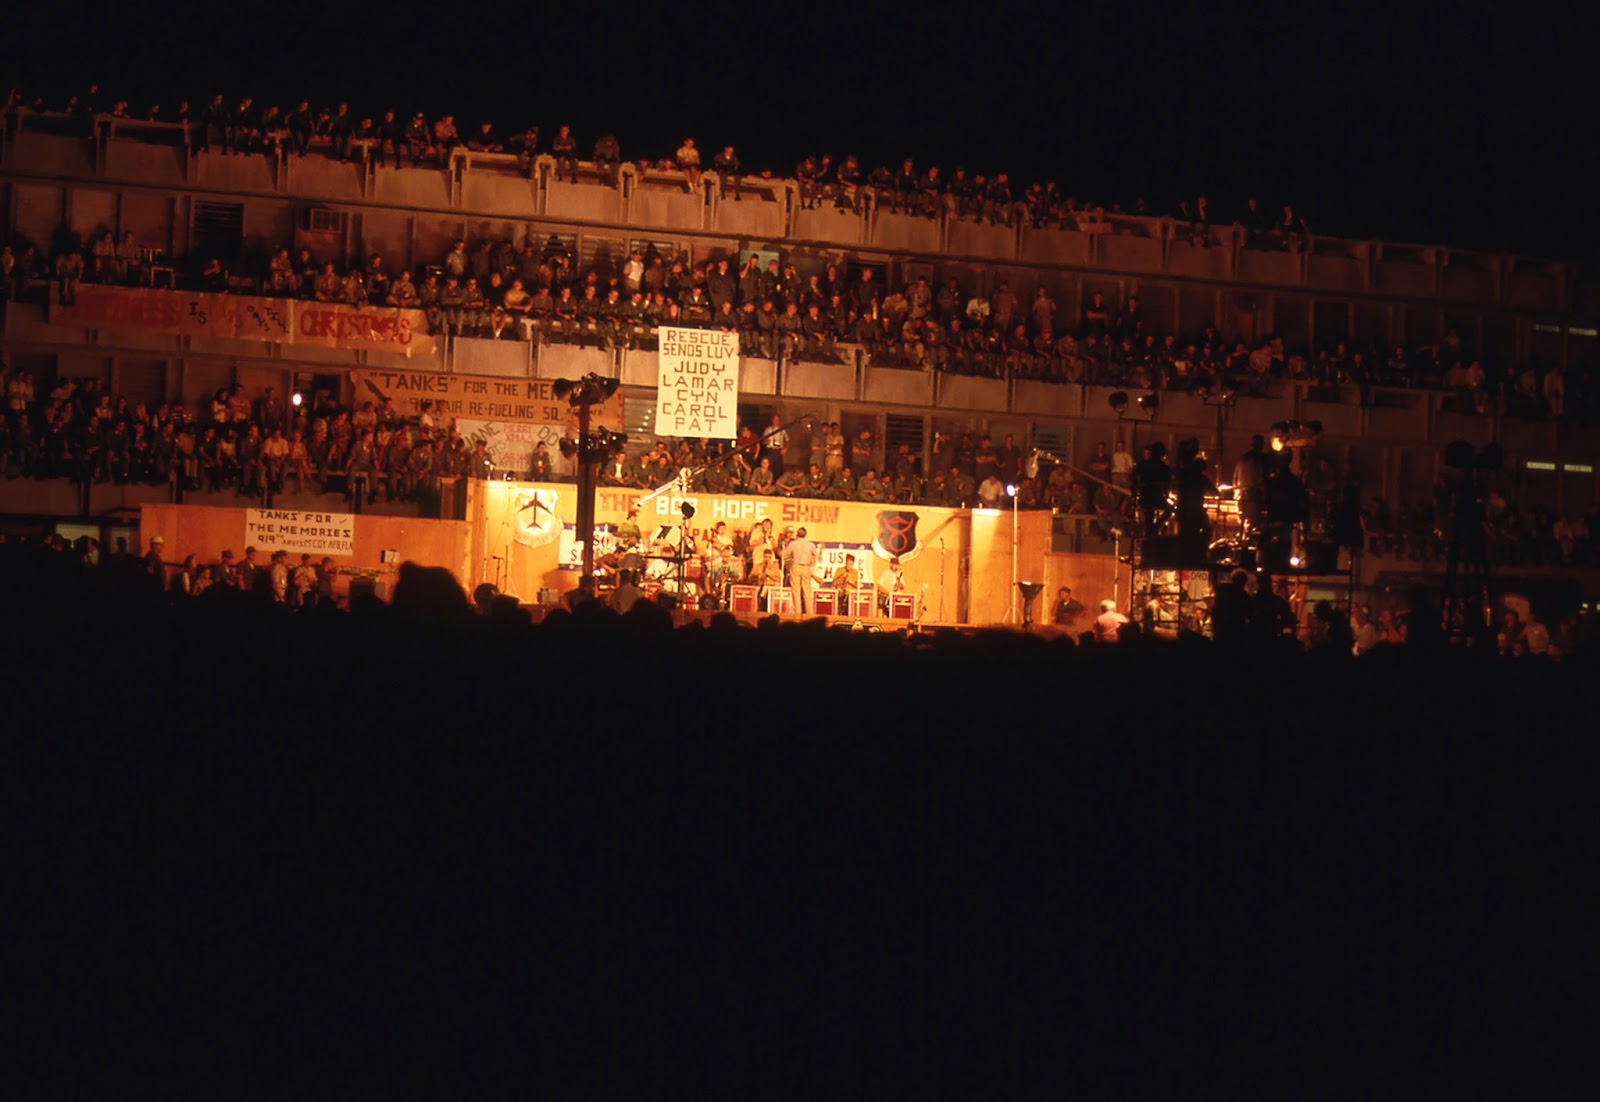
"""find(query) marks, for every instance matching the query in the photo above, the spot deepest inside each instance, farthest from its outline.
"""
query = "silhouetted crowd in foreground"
(339, 816)
(82, 575)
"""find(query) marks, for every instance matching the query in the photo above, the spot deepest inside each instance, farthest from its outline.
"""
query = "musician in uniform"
(845, 580)
(888, 582)
(718, 557)
(628, 531)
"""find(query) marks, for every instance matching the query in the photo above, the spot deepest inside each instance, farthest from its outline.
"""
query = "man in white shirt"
(991, 493)
(775, 443)
(1121, 465)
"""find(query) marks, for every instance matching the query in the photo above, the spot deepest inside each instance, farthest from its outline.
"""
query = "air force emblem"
(536, 520)
(897, 535)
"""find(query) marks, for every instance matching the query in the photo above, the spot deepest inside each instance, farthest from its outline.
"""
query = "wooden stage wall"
(519, 547)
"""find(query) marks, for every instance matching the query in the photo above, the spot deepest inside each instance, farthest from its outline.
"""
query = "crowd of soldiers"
(243, 126)
(78, 430)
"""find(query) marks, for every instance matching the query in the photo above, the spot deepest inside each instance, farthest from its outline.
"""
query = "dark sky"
(1434, 128)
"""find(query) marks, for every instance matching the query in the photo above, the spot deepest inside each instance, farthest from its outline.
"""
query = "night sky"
(1441, 128)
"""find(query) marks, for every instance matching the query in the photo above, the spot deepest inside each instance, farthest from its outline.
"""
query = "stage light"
(561, 388)
(1030, 591)
(1011, 489)
(1118, 402)
(687, 510)
(1149, 403)
(297, 400)
(569, 447)
(1294, 560)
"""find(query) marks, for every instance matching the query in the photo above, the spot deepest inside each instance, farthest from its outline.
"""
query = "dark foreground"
(290, 852)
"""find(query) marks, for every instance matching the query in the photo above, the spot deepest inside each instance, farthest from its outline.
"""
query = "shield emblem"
(897, 534)
(536, 520)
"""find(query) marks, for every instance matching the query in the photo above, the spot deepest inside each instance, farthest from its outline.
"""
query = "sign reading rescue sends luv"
(698, 388)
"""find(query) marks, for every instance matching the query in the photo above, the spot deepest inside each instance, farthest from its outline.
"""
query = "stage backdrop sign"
(300, 533)
(511, 443)
(698, 386)
(478, 398)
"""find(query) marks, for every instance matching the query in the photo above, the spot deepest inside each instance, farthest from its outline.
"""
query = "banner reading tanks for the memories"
(698, 387)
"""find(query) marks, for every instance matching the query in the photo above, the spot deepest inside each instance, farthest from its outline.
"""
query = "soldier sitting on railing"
(525, 144)
(847, 178)
(608, 159)
(726, 165)
(565, 148)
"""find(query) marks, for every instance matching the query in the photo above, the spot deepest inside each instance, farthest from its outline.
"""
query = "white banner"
(698, 387)
(570, 555)
(511, 443)
(300, 533)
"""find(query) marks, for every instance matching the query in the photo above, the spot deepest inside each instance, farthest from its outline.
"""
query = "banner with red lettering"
(247, 318)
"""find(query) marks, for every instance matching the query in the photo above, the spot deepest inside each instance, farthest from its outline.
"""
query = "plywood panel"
(38, 215)
(90, 213)
(206, 531)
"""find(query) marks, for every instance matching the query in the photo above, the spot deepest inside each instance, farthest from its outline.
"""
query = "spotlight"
(297, 399)
(687, 510)
(1119, 402)
(569, 447)
(1011, 489)
(1149, 403)
(588, 390)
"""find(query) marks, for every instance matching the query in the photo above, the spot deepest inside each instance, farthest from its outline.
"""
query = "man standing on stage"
(1108, 626)
(801, 558)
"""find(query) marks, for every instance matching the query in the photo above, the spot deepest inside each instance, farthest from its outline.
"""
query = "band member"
(845, 579)
(889, 581)
(719, 557)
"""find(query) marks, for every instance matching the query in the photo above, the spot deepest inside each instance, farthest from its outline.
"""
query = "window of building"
(219, 230)
(902, 428)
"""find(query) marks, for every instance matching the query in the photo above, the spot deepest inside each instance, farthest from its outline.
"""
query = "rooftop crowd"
(244, 126)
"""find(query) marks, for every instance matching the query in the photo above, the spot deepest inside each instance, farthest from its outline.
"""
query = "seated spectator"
(726, 165)
(688, 160)
(565, 148)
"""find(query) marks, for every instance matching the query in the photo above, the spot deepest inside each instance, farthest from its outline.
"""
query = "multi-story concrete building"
(72, 181)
